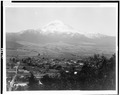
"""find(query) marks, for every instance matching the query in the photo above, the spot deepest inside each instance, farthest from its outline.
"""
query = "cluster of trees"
(98, 73)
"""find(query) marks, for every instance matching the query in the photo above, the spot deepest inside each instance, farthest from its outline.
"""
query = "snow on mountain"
(29, 31)
(58, 27)
(94, 35)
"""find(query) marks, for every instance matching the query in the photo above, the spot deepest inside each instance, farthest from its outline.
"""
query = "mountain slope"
(57, 38)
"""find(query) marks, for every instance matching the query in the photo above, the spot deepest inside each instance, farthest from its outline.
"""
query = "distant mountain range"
(57, 38)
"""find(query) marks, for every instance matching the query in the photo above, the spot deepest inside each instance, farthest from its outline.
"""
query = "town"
(39, 73)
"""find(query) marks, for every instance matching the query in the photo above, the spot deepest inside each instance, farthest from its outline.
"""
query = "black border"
(54, 2)
(18, 1)
(1, 47)
(118, 46)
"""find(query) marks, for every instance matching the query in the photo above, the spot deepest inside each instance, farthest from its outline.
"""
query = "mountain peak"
(56, 22)
(58, 26)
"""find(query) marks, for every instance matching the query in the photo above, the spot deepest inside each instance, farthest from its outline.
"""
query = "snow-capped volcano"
(58, 27)
(59, 39)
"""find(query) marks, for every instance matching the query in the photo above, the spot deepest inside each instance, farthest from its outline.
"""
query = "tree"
(33, 83)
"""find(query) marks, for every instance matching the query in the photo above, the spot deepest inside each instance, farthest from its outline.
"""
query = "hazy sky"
(89, 19)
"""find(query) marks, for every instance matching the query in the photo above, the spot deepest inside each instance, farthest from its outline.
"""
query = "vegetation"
(91, 73)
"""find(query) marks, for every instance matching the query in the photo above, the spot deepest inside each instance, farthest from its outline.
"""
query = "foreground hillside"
(38, 73)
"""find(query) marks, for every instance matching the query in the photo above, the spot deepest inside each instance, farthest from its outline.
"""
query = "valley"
(58, 57)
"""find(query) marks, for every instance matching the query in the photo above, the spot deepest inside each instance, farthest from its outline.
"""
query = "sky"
(89, 19)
